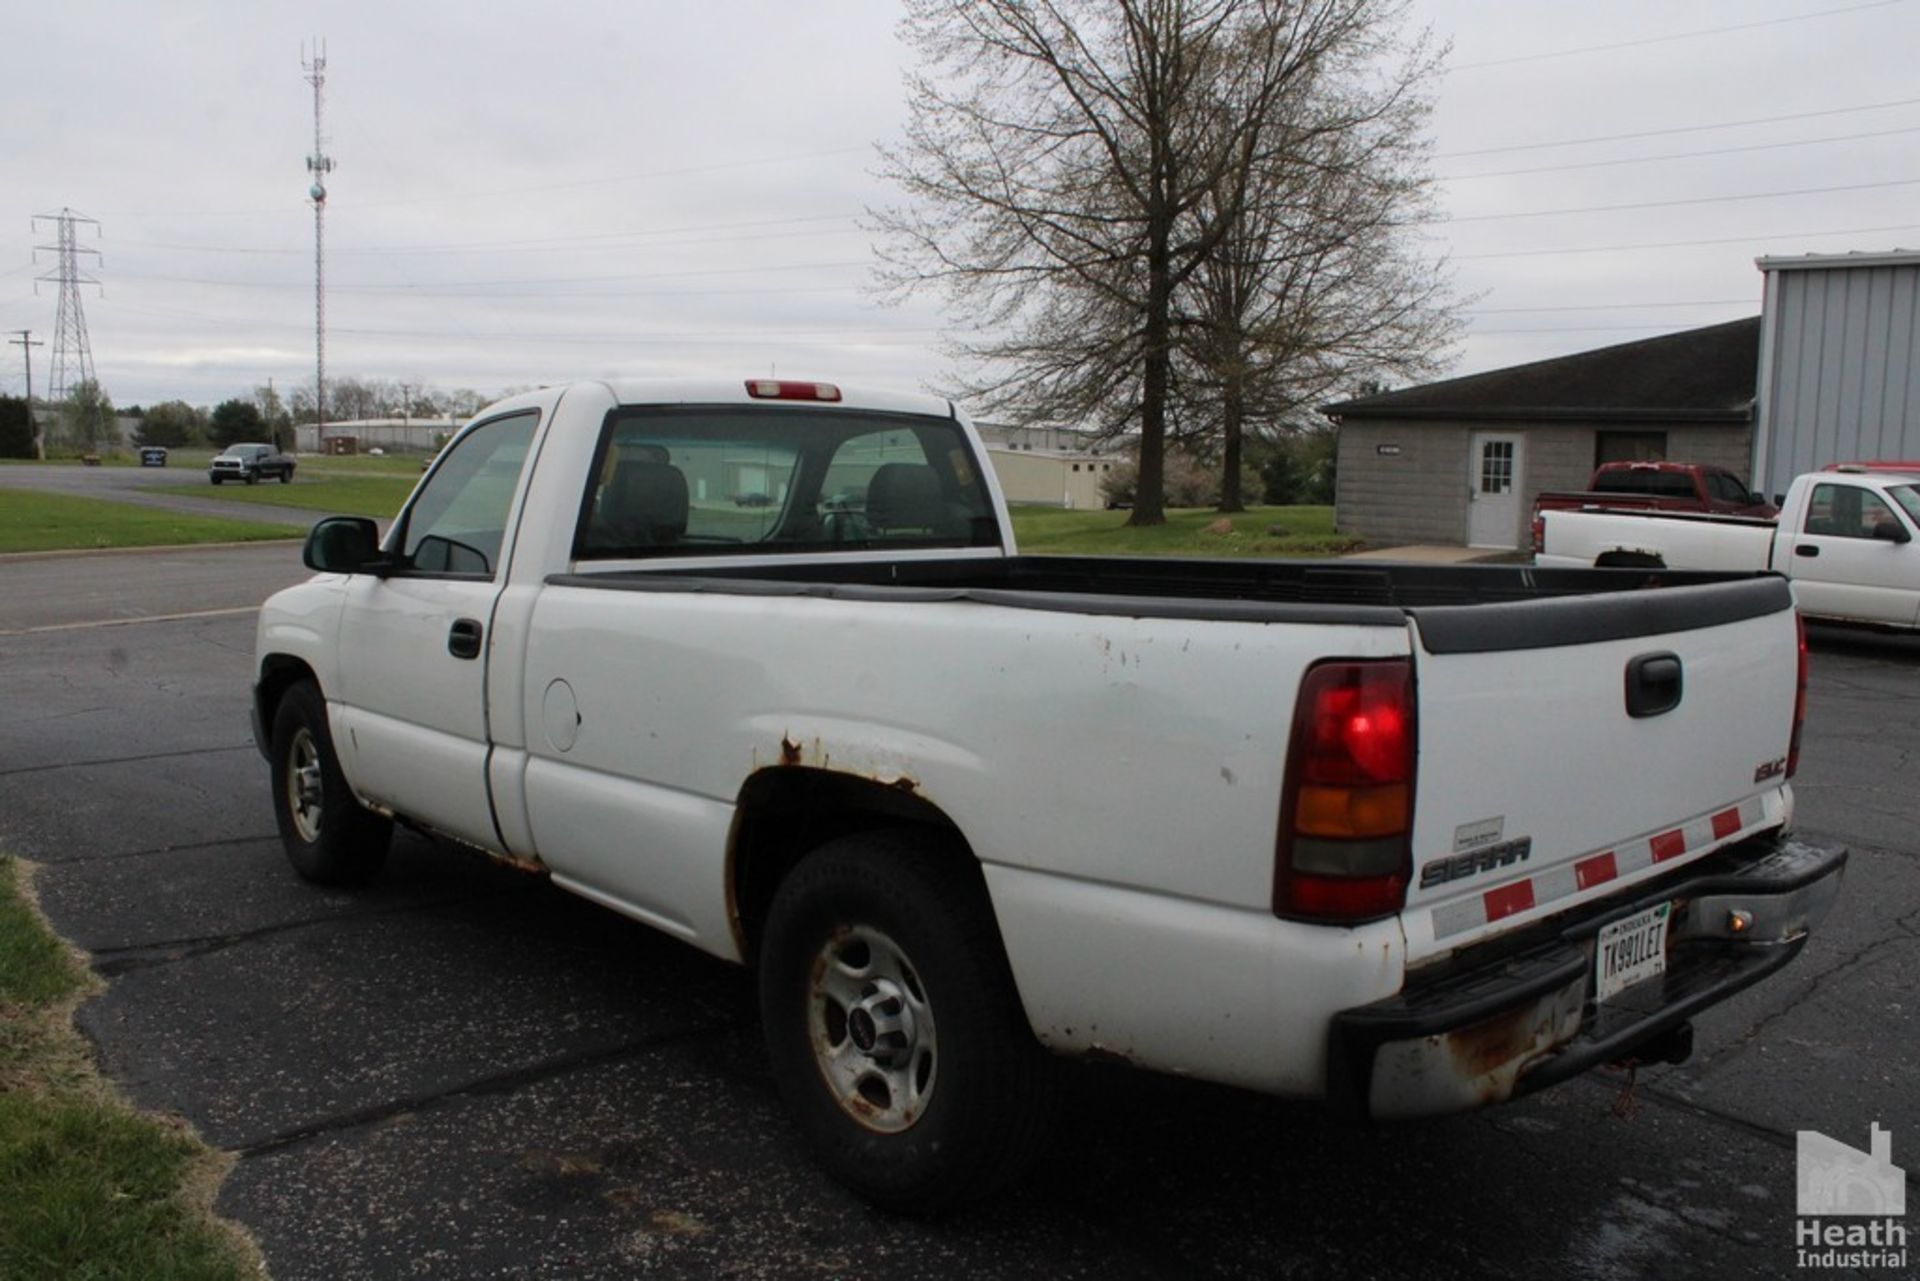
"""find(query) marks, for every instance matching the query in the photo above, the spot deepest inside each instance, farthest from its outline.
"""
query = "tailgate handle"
(1653, 684)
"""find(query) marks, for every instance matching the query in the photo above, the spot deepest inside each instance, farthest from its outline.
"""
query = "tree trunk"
(1150, 490)
(1233, 412)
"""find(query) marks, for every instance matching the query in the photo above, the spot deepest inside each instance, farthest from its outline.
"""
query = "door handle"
(1807, 549)
(1654, 684)
(463, 638)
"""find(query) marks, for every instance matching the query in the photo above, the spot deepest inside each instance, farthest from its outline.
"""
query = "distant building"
(1460, 461)
(1051, 478)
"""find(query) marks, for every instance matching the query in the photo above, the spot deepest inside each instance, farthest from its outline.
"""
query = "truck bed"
(1447, 601)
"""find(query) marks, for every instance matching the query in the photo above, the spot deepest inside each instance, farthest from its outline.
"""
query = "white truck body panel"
(1117, 773)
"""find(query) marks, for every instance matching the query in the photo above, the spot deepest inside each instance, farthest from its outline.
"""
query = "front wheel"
(896, 1034)
(214, 479)
(253, 478)
(330, 839)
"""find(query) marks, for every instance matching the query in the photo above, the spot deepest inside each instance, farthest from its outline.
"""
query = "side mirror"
(1891, 531)
(344, 545)
(1758, 499)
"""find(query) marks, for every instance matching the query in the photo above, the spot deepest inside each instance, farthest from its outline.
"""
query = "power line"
(1678, 35)
(539, 242)
(1674, 204)
(1679, 155)
(1687, 244)
(465, 288)
(1678, 129)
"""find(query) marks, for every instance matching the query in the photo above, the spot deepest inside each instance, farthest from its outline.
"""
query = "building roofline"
(1521, 413)
(1833, 262)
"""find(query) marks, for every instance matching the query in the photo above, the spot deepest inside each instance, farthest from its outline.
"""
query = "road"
(462, 1072)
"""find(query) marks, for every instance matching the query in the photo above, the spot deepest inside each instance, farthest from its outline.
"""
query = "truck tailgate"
(1572, 747)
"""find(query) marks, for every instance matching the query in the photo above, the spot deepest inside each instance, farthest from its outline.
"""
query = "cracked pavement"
(462, 1072)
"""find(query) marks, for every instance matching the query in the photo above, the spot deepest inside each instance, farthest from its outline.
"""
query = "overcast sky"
(531, 193)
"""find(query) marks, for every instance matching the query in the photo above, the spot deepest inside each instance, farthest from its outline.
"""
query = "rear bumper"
(1507, 1026)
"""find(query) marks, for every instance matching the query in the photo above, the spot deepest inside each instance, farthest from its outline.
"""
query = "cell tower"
(72, 353)
(319, 164)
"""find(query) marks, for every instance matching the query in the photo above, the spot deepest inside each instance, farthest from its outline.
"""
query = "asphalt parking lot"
(461, 1072)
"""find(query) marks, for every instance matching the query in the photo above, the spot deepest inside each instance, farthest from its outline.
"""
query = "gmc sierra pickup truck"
(1844, 537)
(1409, 841)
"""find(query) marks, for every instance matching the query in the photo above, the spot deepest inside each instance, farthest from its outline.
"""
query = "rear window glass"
(1663, 484)
(680, 481)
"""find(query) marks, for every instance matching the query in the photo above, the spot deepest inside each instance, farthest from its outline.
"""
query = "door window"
(1496, 467)
(1846, 511)
(458, 521)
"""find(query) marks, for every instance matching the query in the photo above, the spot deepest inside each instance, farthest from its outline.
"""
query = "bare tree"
(1318, 280)
(1072, 164)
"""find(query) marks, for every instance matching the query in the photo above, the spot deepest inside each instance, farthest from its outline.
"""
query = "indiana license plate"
(1631, 951)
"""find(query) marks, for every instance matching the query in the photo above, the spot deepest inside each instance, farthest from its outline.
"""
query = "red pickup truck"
(1657, 486)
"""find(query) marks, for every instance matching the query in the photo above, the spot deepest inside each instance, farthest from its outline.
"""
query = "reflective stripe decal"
(1553, 884)
(1598, 870)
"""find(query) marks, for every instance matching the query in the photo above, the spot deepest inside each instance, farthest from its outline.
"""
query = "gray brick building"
(1460, 461)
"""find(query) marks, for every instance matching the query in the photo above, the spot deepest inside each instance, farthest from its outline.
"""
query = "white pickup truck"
(758, 665)
(1844, 536)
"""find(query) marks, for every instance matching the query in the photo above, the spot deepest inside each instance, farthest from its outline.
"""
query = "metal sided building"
(1839, 363)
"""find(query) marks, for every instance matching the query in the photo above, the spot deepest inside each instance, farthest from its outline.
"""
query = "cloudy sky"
(531, 193)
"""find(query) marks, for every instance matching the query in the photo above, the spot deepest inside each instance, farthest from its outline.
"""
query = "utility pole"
(319, 164)
(26, 343)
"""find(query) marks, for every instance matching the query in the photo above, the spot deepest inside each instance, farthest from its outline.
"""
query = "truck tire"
(214, 479)
(330, 839)
(253, 477)
(286, 475)
(896, 1035)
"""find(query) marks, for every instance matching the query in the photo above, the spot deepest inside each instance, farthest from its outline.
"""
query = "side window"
(457, 523)
(1845, 511)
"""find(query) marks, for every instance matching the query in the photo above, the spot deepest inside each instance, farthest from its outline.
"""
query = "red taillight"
(1346, 818)
(782, 389)
(1539, 527)
(1799, 698)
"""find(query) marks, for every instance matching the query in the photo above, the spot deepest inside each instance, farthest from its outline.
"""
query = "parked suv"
(250, 463)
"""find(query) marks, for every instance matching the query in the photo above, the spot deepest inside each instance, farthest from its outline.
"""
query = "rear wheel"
(286, 475)
(896, 1035)
(329, 837)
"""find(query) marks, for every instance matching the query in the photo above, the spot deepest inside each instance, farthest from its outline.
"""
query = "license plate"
(1631, 951)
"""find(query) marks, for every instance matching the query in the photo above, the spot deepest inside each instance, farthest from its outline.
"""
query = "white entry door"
(1493, 490)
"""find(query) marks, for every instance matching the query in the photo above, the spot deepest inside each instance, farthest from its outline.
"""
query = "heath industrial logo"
(1852, 1204)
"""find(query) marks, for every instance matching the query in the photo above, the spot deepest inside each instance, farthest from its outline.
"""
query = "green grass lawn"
(93, 1189)
(1196, 531)
(317, 489)
(33, 522)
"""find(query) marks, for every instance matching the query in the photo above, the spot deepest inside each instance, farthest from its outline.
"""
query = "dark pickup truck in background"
(1657, 486)
(250, 464)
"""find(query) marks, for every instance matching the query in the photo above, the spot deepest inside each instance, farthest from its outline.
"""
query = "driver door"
(411, 724)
